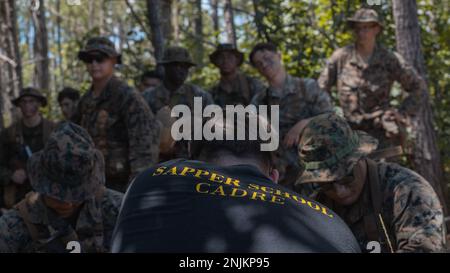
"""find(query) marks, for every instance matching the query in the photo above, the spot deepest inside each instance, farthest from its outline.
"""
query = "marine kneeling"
(381, 202)
(188, 206)
(70, 208)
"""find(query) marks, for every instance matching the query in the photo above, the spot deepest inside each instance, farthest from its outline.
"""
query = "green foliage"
(307, 32)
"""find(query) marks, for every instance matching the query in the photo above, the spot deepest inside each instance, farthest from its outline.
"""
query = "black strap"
(377, 202)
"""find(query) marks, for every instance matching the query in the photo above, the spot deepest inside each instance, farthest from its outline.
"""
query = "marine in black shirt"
(225, 201)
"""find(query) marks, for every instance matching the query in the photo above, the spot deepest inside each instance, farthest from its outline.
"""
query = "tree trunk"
(260, 27)
(101, 20)
(42, 76)
(176, 22)
(92, 14)
(58, 42)
(215, 17)
(229, 22)
(166, 19)
(199, 33)
(153, 7)
(10, 61)
(426, 157)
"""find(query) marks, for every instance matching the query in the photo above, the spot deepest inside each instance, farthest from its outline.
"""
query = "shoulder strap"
(246, 86)
(47, 128)
(376, 198)
(15, 133)
(374, 183)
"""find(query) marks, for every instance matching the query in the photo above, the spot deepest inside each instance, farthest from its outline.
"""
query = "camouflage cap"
(226, 47)
(69, 168)
(364, 16)
(176, 54)
(100, 44)
(30, 92)
(328, 148)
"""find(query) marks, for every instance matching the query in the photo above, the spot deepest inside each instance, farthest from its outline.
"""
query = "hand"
(19, 176)
(394, 115)
(390, 122)
(293, 136)
(167, 143)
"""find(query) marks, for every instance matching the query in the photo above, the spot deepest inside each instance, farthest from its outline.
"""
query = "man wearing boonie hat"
(363, 74)
(18, 142)
(69, 201)
(380, 202)
(121, 124)
(234, 86)
(174, 91)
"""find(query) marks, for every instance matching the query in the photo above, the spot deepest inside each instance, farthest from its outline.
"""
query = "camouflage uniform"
(16, 142)
(123, 128)
(243, 87)
(161, 97)
(69, 169)
(393, 196)
(364, 88)
(300, 98)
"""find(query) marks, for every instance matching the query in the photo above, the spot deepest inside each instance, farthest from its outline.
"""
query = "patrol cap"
(99, 44)
(176, 54)
(30, 92)
(69, 168)
(226, 47)
(328, 148)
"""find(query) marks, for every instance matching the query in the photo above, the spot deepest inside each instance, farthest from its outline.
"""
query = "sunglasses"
(97, 58)
(345, 181)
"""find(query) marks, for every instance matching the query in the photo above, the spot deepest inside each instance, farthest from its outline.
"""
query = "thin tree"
(214, 4)
(10, 61)
(40, 48)
(229, 22)
(198, 22)
(426, 157)
(176, 21)
(258, 18)
(166, 19)
(153, 8)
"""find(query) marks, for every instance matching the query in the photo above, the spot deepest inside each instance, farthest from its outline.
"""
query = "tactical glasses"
(98, 58)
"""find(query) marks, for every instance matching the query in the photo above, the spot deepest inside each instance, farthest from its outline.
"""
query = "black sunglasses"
(97, 58)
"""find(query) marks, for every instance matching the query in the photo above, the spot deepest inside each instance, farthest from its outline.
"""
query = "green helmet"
(226, 47)
(176, 54)
(364, 16)
(30, 92)
(328, 148)
(69, 168)
(100, 44)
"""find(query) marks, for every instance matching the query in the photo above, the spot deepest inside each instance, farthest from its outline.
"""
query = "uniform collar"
(163, 92)
(238, 79)
(106, 92)
(288, 88)
(375, 58)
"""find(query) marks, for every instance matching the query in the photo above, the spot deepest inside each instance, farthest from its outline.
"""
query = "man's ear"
(274, 175)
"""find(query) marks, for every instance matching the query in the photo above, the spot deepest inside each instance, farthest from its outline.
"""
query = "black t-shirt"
(192, 206)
